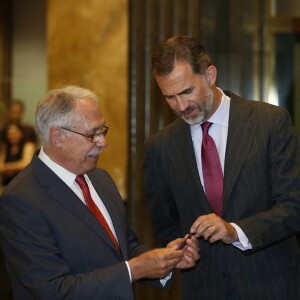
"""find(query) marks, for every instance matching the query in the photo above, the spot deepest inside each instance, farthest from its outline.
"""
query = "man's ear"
(211, 75)
(56, 137)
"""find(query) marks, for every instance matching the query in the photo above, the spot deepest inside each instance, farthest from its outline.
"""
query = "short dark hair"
(17, 102)
(180, 49)
(5, 131)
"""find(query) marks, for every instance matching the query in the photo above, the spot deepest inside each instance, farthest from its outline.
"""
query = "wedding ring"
(213, 228)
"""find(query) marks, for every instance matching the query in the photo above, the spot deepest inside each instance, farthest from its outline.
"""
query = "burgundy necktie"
(212, 170)
(94, 208)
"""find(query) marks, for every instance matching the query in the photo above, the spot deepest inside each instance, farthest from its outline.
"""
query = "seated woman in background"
(15, 153)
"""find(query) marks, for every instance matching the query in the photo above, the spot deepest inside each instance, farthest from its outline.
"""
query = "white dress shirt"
(218, 131)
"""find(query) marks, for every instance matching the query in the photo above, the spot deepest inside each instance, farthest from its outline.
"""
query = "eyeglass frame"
(95, 138)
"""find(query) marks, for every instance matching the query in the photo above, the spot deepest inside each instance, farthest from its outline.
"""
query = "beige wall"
(87, 46)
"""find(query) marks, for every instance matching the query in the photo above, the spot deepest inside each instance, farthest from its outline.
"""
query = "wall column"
(87, 46)
(5, 56)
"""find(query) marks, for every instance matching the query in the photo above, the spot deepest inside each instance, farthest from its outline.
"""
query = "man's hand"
(156, 263)
(191, 251)
(212, 228)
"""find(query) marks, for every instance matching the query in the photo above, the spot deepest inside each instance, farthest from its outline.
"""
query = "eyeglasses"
(95, 138)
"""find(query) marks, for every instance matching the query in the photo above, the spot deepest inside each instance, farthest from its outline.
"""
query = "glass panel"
(231, 32)
(284, 69)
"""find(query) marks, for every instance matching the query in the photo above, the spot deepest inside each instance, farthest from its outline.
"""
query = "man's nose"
(181, 104)
(102, 142)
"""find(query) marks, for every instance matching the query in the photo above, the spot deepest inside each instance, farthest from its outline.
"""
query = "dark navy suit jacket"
(55, 248)
(261, 195)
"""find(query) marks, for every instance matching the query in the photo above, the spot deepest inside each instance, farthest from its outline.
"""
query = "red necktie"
(212, 170)
(94, 208)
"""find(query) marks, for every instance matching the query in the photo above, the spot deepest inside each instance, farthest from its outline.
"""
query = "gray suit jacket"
(261, 195)
(55, 248)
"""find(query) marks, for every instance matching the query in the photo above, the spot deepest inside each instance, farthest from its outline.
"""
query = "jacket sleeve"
(282, 218)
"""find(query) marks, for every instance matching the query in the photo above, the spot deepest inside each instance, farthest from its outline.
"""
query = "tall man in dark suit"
(245, 210)
(63, 225)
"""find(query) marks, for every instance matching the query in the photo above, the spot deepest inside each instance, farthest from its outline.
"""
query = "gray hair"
(57, 109)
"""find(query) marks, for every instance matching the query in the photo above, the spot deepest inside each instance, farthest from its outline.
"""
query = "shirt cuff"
(164, 280)
(243, 243)
(129, 272)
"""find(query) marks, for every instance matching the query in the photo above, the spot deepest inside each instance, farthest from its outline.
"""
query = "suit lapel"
(62, 194)
(240, 135)
(181, 152)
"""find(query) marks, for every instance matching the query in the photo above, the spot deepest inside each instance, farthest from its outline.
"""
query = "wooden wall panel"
(88, 46)
(150, 21)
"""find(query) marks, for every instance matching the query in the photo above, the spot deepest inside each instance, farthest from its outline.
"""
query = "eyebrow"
(185, 91)
(94, 130)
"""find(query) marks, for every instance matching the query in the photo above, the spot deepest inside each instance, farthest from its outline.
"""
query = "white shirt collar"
(221, 115)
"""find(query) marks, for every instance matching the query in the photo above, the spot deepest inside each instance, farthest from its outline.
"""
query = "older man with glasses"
(63, 225)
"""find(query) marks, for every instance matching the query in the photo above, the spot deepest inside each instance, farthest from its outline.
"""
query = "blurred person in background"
(15, 152)
(15, 114)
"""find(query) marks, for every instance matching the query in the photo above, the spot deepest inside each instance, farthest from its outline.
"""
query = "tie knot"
(205, 127)
(80, 180)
